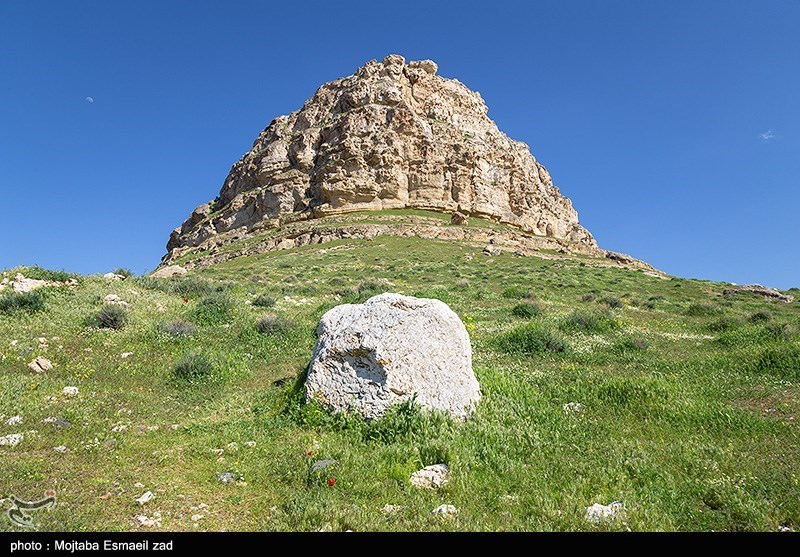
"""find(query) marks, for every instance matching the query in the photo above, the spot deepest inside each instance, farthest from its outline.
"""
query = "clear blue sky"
(673, 126)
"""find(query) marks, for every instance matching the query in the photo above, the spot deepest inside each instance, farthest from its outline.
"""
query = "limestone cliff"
(393, 135)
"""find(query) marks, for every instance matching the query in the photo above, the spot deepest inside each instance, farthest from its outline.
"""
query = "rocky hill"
(392, 136)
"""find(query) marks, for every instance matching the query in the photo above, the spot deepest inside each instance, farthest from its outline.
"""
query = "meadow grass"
(690, 407)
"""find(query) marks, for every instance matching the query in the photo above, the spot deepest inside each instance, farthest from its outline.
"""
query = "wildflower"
(185, 300)
(309, 453)
(331, 481)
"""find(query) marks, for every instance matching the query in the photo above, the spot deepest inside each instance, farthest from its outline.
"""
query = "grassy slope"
(680, 421)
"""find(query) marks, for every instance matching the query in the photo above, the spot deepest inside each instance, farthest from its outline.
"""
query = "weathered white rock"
(114, 299)
(573, 408)
(169, 271)
(60, 449)
(431, 477)
(14, 420)
(389, 349)
(22, 284)
(113, 276)
(11, 439)
(40, 365)
(70, 391)
(446, 510)
(146, 497)
(598, 512)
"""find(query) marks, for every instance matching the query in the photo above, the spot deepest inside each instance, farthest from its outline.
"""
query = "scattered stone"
(40, 365)
(509, 499)
(146, 497)
(619, 257)
(768, 293)
(392, 509)
(446, 510)
(218, 451)
(114, 299)
(227, 477)
(250, 444)
(60, 449)
(138, 485)
(146, 522)
(113, 276)
(196, 517)
(20, 284)
(174, 427)
(459, 219)
(321, 465)
(110, 443)
(106, 495)
(119, 428)
(598, 513)
(70, 391)
(233, 446)
(573, 407)
(125, 355)
(14, 420)
(62, 422)
(11, 440)
(49, 420)
(388, 350)
(431, 477)
(42, 342)
(169, 271)
(491, 250)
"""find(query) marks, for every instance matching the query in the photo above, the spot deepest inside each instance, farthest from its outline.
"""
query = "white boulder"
(371, 356)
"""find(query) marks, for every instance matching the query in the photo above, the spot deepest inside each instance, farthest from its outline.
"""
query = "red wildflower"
(309, 453)
(331, 481)
(49, 493)
(185, 301)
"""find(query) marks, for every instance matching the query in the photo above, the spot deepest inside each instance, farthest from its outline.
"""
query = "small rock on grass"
(446, 510)
(431, 477)
(70, 391)
(40, 365)
(14, 420)
(11, 440)
(598, 512)
(60, 449)
(146, 497)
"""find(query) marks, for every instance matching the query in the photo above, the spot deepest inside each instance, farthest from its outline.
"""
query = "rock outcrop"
(393, 135)
(768, 293)
(371, 356)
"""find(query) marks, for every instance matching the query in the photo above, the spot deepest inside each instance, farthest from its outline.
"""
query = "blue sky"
(673, 126)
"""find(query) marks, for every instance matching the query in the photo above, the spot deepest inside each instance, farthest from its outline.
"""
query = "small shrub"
(724, 324)
(783, 361)
(178, 328)
(588, 298)
(189, 287)
(530, 338)
(702, 310)
(526, 310)
(781, 331)
(39, 273)
(517, 292)
(212, 309)
(264, 301)
(122, 271)
(590, 322)
(760, 317)
(612, 302)
(111, 316)
(29, 302)
(462, 284)
(649, 304)
(632, 344)
(193, 366)
(271, 324)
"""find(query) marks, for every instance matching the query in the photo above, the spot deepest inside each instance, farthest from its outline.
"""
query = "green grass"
(690, 408)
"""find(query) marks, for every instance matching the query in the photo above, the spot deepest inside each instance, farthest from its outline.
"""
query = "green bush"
(590, 322)
(188, 287)
(703, 310)
(29, 302)
(632, 344)
(122, 271)
(193, 366)
(760, 317)
(526, 310)
(531, 338)
(724, 324)
(783, 361)
(212, 309)
(39, 273)
(612, 302)
(178, 328)
(588, 298)
(271, 324)
(264, 301)
(517, 292)
(111, 316)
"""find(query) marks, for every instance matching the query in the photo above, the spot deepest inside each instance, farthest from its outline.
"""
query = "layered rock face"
(393, 135)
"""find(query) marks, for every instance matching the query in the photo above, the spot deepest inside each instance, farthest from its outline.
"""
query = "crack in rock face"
(371, 356)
